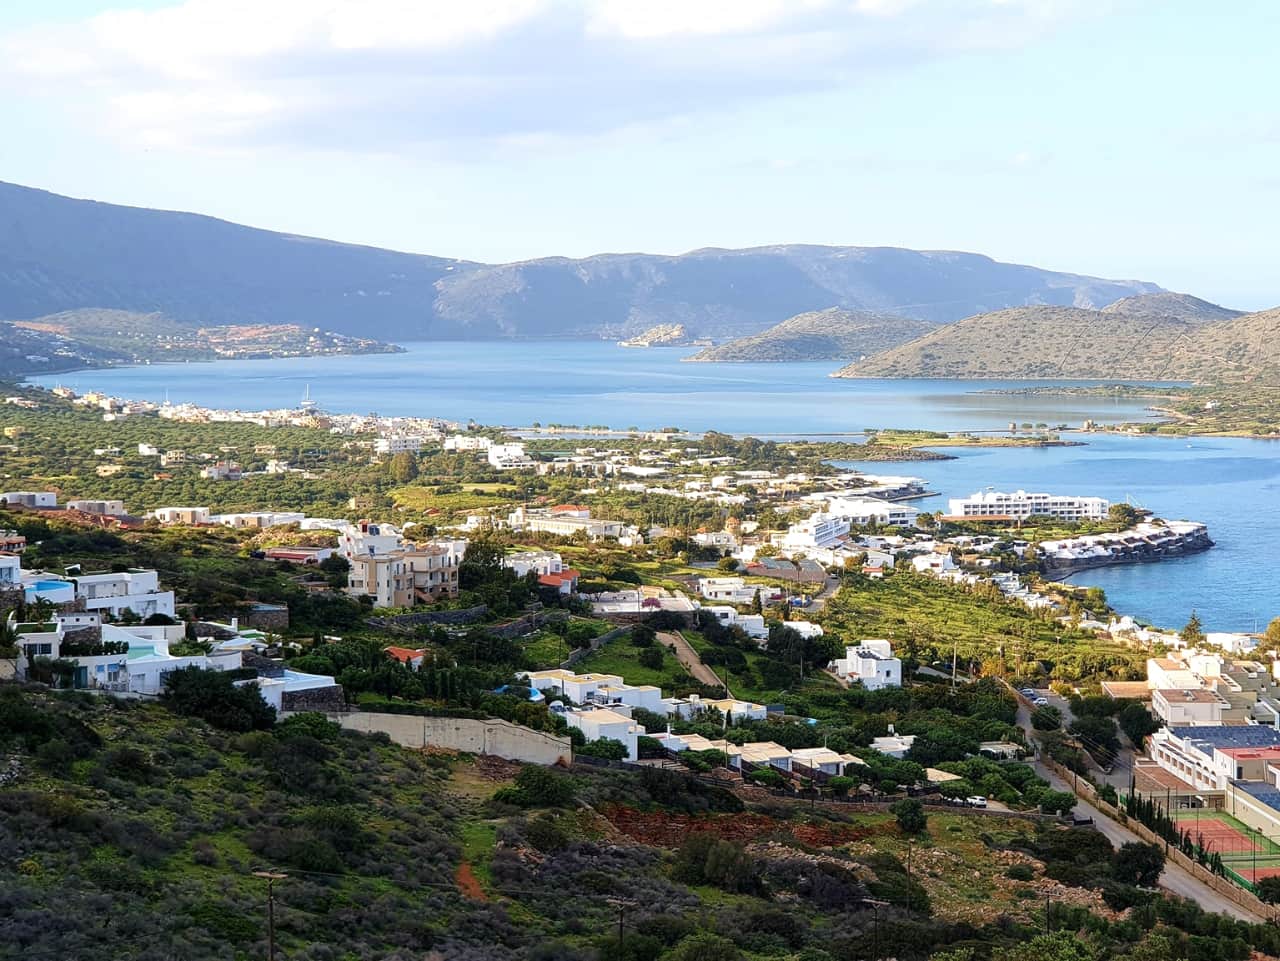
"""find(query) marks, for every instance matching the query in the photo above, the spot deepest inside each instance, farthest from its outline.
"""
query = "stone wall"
(268, 619)
(596, 643)
(324, 699)
(405, 623)
(87, 635)
(489, 736)
(11, 597)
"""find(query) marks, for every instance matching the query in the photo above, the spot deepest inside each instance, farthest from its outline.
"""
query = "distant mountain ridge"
(1030, 343)
(59, 254)
(831, 334)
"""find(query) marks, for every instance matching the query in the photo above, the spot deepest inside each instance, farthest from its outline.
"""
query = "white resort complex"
(1020, 505)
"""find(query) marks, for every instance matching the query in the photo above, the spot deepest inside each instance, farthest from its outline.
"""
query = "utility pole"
(1047, 905)
(621, 904)
(271, 878)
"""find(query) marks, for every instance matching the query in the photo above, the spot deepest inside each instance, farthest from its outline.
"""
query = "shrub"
(651, 657)
(1139, 864)
(211, 696)
(910, 816)
(541, 787)
(309, 723)
(766, 777)
(841, 785)
(605, 747)
(546, 834)
(1020, 872)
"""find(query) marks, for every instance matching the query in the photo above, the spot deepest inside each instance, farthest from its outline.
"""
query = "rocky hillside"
(1035, 343)
(60, 254)
(1059, 342)
(831, 334)
(1170, 305)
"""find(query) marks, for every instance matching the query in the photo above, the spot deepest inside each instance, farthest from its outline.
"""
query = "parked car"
(1040, 702)
(1027, 692)
(976, 801)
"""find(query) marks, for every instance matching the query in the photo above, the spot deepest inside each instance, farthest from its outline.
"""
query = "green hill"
(1029, 343)
(832, 334)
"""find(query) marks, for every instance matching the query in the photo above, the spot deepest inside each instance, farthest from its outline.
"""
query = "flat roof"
(1197, 695)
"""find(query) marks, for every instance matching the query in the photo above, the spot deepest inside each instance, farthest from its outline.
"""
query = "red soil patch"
(664, 829)
(468, 884)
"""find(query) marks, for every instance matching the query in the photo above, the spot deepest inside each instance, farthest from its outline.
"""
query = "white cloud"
(376, 75)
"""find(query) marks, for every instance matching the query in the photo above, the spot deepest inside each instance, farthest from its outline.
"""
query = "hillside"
(1170, 305)
(832, 334)
(123, 336)
(59, 254)
(1034, 343)
(1246, 348)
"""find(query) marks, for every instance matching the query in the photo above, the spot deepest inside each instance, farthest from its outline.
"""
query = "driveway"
(690, 660)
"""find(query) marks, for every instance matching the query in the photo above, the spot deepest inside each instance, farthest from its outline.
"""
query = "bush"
(841, 785)
(1139, 864)
(546, 834)
(606, 747)
(642, 635)
(213, 697)
(707, 859)
(910, 816)
(309, 723)
(1020, 872)
(651, 657)
(1046, 718)
(705, 946)
(539, 787)
(766, 777)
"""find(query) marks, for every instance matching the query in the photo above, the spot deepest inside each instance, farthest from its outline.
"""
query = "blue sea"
(1230, 484)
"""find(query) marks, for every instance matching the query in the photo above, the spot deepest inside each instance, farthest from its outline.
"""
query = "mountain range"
(58, 254)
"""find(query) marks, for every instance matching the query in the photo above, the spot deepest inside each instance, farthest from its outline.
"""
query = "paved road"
(688, 657)
(1174, 879)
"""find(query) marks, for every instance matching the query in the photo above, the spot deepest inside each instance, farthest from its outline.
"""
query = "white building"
(398, 444)
(816, 532)
(1020, 505)
(31, 499)
(510, 457)
(865, 511)
(872, 664)
(933, 563)
(892, 744)
(465, 442)
(598, 723)
(733, 710)
(751, 624)
(258, 519)
(730, 590)
(542, 563)
(105, 508)
(1189, 707)
(189, 516)
(570, 519)
(115, 592)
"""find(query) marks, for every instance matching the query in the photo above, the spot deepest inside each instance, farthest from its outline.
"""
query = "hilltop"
(1167, 305)
(59, 254)
(1032, 343)
(831, 334)
(1058, 342)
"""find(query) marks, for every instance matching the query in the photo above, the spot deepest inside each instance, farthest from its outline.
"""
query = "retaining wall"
(1233, 892)
(489, 736)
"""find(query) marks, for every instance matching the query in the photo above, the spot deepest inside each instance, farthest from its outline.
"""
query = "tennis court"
(1245, 853)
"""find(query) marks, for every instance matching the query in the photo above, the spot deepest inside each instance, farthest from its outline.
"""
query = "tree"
(403, 467)
(213, 696)
(1136, 722)
(705, 946)
(650, 657)
(1138, 863)
(1193, 634)
(1059, 946)
(1047, 718)
(1268, 889)
(1272, 635)
(757, 606)
(1057, 802)
(1126, 515)
(727, 564)
(910, 815)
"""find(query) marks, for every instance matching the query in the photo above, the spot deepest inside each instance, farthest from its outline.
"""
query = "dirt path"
(689, 658)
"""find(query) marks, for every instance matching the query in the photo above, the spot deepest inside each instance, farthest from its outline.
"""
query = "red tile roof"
(404, 655)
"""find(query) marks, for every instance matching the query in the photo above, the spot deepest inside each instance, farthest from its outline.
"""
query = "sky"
(1122, 138)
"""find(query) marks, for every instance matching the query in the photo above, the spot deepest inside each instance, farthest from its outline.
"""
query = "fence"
(1231, 891)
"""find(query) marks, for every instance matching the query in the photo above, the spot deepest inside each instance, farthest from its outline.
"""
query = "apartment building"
(189, 516)
(396, 572)
(510, 457)
(568, 520)
(114, 592)
(105, 508)
(1020, 505)
(35, 500)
